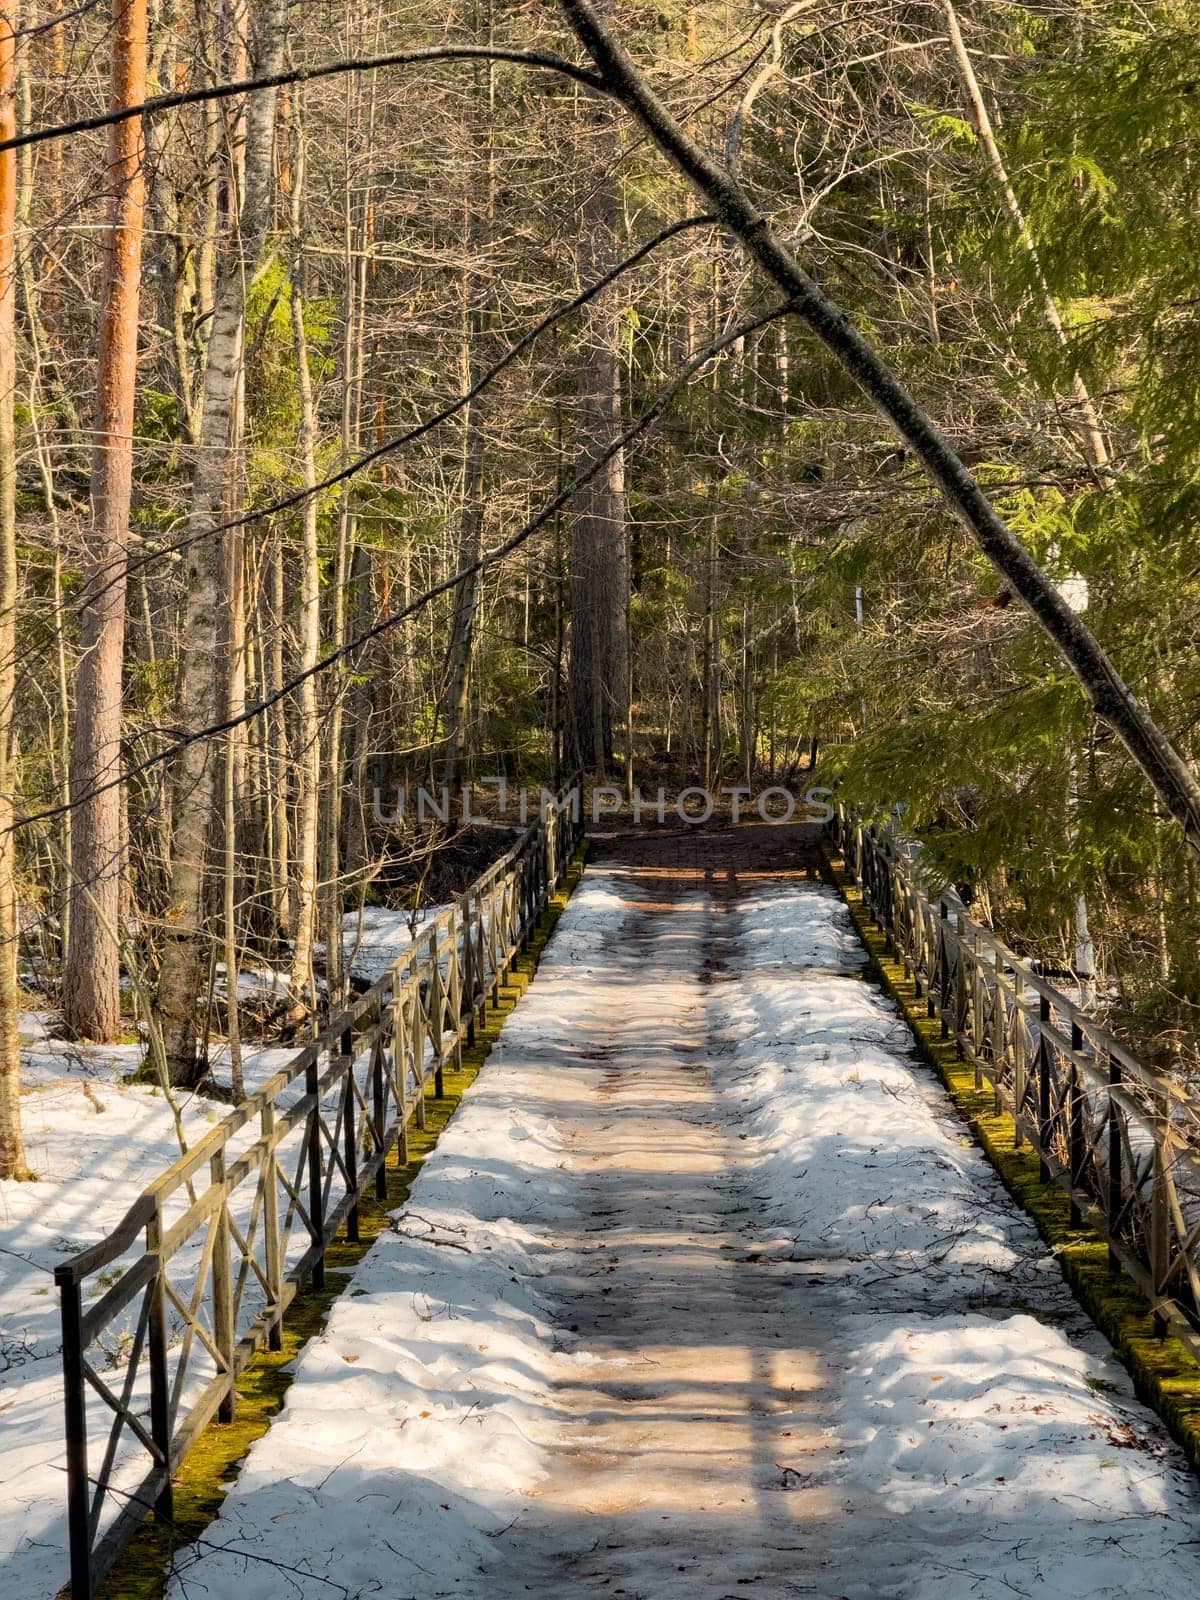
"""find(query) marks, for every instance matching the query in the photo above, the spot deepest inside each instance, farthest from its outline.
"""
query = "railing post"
(1020, 1079)
(1160, 1221)
(418, 1047)
(78, 1490)
(1044, 1048)
(1000, 1050)
(316, 1201)
(1116, 1187)
(977, 1004)
(467, 1003)
(222, 1285)
(272, 1247)
(160, 1382)
(401, 1053)
(960, 985)
(944, 1000)
(929, 949)
(378, 1100)
(350, 1133)
(1077, 1136)
(434, 1014)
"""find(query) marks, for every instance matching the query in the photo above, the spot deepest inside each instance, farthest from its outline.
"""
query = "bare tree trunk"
(358, 226)
(234, 583)
(91, 979)
(467, 594)
(710, 661)
(470, 546)
(308, 762)
(599, 551)
(1111, 699)
(12, 1146)
(193, 779)
(60, 742)
(281, 850)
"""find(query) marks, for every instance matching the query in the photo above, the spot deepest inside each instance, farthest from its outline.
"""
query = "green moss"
(140, 1571)
(1165, 1373)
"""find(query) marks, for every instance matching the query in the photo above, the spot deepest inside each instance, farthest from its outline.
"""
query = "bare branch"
(543, 60)
(490, 558)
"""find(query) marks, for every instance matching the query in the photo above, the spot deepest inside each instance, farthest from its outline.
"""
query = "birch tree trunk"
(91, 978)
(193, 778)
(12, 1147)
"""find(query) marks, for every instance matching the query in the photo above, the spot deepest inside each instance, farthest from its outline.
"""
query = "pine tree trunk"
(91, 979)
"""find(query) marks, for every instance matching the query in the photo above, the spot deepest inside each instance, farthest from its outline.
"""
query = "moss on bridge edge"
(1164, 1372)
(141, 1570)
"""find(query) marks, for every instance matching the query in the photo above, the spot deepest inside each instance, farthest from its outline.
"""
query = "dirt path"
(678, 1453)
(727, 1437)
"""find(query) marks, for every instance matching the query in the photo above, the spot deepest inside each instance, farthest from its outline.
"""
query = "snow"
(1023, 1424)
(94, 1143)
(412, 1417)
(373, 938)
(701, 1151)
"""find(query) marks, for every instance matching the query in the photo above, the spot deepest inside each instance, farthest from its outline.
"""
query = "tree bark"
(91, 978)
(1111, 698)
(12, 1147)
(599, 671)
(308, 760)
(193, 778)
(470, 547)
(476, 352)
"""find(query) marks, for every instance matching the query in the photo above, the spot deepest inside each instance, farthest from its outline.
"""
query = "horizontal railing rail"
(1121, 1139)
(161, 1316)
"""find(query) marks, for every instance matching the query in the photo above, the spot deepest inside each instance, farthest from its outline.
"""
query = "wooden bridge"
(715, 1334)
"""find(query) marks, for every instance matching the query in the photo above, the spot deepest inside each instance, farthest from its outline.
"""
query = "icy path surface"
(706, 1294)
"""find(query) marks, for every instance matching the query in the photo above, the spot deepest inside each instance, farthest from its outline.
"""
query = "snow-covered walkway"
(706, 1294)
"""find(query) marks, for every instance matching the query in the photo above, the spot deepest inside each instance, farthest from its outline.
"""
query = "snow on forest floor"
(94, 1141)
(706, 1292)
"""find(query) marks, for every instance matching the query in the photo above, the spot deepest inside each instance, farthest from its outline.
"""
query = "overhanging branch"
(1110, 696)
(542, 60)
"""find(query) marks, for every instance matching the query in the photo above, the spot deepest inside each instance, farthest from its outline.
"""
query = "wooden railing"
(160, 1317)
(1122, 1140)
